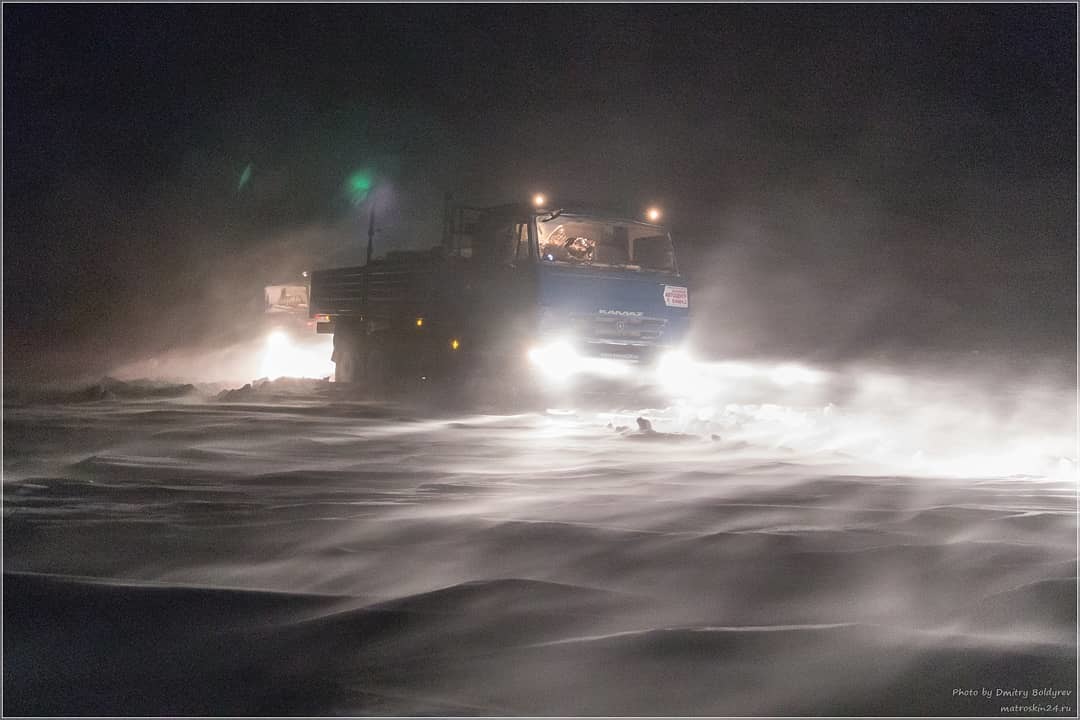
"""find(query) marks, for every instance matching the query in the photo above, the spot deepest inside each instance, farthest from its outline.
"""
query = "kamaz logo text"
(624, 313)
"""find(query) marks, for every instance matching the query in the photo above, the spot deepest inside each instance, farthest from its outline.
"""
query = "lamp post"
(361, 186)
(370, 230)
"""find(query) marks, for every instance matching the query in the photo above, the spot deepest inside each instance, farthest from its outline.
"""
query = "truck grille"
(623, 329)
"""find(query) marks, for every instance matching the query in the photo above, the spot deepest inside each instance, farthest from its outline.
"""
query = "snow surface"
(289, 549)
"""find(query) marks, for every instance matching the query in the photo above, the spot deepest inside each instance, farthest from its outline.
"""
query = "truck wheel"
(346, 360)
(374, 365)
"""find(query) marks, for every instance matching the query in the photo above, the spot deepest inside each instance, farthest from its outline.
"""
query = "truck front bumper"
(565, 363)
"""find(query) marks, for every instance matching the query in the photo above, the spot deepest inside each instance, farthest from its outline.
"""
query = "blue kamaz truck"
(517, 295)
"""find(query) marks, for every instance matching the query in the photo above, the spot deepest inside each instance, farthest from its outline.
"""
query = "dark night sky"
(849, 181)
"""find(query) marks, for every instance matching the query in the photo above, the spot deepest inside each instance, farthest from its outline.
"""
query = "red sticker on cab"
(676, 296)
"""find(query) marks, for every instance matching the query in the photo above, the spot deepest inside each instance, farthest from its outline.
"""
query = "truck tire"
(375, 370)
(346, 359)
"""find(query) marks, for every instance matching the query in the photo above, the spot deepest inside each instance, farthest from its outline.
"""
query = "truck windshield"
(603, 243)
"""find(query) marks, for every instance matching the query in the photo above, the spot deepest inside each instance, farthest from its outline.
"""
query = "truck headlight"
(557, 356)
(675, 362)
(676, 372)
(556, 361)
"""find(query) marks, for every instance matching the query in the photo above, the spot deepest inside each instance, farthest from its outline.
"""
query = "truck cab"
(519, 290)
(606, 288)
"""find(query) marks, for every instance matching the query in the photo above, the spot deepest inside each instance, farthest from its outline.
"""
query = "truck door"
(509, 283)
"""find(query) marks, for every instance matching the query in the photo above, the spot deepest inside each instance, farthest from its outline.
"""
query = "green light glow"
(244, 178)
(359, 184)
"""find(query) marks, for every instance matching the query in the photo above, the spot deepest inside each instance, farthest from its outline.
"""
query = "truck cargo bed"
(386, 289)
